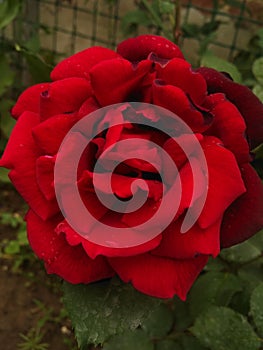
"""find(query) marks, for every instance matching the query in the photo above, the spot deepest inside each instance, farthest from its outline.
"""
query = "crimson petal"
(229, 126)
(138, 49)
(248, 104)
(94, 250)
(187, 245)
(244, 217)
(174, 99)
(49, 134)
(21, 155)
(157, 276)
(64, 96)
(113, 81)
(178, 72)
(29, 100)
(225, 183)
(70, 263)
(80, 64)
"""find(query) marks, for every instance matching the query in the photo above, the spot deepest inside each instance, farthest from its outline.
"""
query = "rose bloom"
(226, 118)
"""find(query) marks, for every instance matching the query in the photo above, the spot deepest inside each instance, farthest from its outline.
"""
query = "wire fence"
(67, 26)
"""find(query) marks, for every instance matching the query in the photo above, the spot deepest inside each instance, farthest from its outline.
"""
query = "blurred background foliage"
(225, 307)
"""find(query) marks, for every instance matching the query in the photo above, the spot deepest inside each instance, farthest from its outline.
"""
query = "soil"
(28, 297)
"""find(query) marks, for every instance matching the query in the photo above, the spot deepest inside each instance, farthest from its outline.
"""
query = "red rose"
(226, 118)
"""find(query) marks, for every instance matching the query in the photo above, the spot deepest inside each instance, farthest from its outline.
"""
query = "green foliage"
(212, 288)
(101, 310)
(221, 328)
(223, 309)
(9, 9)
(256, 304)
(16, 249)
(155, 15)
(210, 60)
(159, 322)
(257, 69)
(245, 251)
(7, 74)
(33, 340)
(130, 341)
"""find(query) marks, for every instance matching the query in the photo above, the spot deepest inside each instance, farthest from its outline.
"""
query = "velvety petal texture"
(161, 277)
(127, 158)
(242, 97)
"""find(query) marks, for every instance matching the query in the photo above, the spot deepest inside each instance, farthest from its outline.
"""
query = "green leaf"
(258, 91)
(4, 175)
(168, 344)
(129, 341)
(104, 309)
(241, 253)
(12, 248)
(134, 18)
(38, 68)
(221, 328)
(7, 75)
(9, 9)
(257, 69)
(6, 121)
(212, 288)
(166, 7)
(250, 276)
(190, 30)
(215, 265)
(190, 343)
(159, 323)
(256, 307)
(209, 60)
(182, 317)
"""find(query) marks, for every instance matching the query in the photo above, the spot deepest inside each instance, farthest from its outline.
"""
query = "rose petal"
(29, 100)
(229, 126)
(242, 97)
(187, 245)
(138, 49)
(225, 183)
(244, 217)
(122, 79)
(21, 155)
(80, 64)
(93, 250)
(49, 134)
(45, 176)
(70, 263)
(159, 277)
(64, 97)
(178, 72)
(175, 100)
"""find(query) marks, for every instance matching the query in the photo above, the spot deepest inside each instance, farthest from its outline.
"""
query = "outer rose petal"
(80, 64)
(29, 100)
(178, 72)
(175, 100)
(187, 245)
(93, 250)
(49, 134)
(225, 183)
(121, 77)
(248, 104)
(21, 156)
(244, 217)
(159, 277)
(64, 96)
(70, 263)
(138, 49)
(45, 176)
(229, 126)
